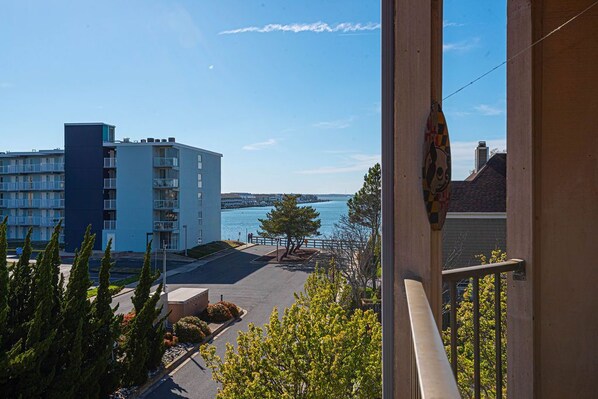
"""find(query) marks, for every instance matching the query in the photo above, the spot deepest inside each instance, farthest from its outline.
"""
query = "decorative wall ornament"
(436, 171)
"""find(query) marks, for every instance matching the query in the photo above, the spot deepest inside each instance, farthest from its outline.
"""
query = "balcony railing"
(162, 162)
(33, 221)
(474, 273)
(32, 203)
(32, 186)
(109, 224)
(433, 370)
(110, 162)
(109, 204)
(166, 204)
(166, 183)
(32, 168)
(166, 225)
(110, 183)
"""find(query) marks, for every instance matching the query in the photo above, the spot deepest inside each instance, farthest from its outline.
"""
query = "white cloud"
(489, 110)
(461, 46)
(211, 67)
(449, 24)
(354, 163)
(261, 145)
(316, 27)
(337, 124)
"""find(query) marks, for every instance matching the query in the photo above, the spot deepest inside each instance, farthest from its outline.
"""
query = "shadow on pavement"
(174, 390)
(226, 270)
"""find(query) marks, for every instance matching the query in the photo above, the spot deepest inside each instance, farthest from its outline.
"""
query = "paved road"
(256, 287)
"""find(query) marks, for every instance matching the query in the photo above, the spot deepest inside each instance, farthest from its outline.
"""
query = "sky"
(288, 91)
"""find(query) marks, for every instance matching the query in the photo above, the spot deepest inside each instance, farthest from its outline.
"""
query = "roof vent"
(171, 140)
(164, 140)
(143, 140)
(150, 140)
(126, 140)
(481, 155)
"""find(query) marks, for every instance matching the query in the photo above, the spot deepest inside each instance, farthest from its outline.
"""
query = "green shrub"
(187, 332)
(196, 321)
(232, 308)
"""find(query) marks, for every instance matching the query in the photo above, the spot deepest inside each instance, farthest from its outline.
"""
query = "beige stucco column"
(412, 63)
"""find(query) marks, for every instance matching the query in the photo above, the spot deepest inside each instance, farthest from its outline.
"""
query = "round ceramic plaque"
(436, 171)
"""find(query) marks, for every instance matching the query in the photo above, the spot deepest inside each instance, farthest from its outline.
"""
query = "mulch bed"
(300, 256)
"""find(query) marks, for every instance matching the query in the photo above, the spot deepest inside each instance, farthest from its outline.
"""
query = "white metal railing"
(163, 225)
(110, 183)
(110, 162)
(166, 183)
(109, 224)
(165, 162)
(33, 221)
(166, 204)
(110, 204)
(32, 186)
(32, 168)
(32, 203)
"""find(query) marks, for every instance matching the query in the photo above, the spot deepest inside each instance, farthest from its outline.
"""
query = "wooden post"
(410, 249)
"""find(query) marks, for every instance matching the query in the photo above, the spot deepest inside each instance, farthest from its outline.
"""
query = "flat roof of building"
(158, 143)
(39, 153)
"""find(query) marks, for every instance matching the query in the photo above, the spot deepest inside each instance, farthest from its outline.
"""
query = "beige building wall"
(552, 201)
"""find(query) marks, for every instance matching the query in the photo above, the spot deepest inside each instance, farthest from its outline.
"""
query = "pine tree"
(142, 290)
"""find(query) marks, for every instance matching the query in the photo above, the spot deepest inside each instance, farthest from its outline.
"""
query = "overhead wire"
(567, 22)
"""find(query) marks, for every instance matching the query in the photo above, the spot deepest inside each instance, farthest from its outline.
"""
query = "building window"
(199, 164)
(200, 218)
(199, 182)
(199, 199)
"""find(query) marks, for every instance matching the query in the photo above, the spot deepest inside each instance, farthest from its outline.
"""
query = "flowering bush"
(232, 308)
(217, 313)
(126, 322)
(196, 321)
(187, 332)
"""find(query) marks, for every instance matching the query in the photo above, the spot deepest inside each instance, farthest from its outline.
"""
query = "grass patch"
(207, 249)
(115, 287)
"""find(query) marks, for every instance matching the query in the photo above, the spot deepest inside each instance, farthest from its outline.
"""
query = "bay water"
(237, 223)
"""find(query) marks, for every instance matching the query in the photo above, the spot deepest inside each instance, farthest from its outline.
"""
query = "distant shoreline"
(272, 204)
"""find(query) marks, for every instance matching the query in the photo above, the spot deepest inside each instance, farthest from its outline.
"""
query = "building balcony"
(109, 162)
(109, 224)
(33, 168)
(166, 225)
(33, 186)
(33, 221)
(166, 204)
(162, 162)
(109, 204)
(436, 375)
(33, 203)
(110, 183)
(166, 183)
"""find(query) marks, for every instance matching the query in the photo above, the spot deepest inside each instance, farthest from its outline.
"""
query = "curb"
(142, 390)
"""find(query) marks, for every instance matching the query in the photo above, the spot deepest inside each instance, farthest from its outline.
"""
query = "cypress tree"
(19, 291)
(99, 375)
(3, 282)
(138, 351)
(142, 290)
(75, 316)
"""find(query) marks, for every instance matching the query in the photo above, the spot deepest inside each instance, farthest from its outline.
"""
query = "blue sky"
(288, 91)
